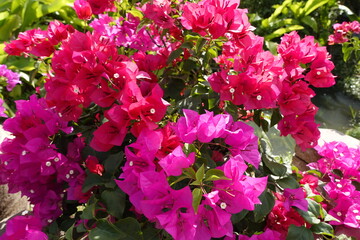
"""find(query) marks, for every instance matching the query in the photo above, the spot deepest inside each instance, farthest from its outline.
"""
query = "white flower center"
(232, 90)
(48, 163)
(67, 176)
(152, 111)
(131, 163)
(258, 97)
(71, 171)
(32, 191)
(56, 159)
(318, 73)
(339, 214)
(223, 205)
(116, 75)
(357, 217)
(339, 185)
(6, 163)
(23, 152)
(355, 211)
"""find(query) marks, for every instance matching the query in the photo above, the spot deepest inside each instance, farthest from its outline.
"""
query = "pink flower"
(9, 76)
(296, 198)
(176, 161)
(212, 220)
(83, 9)
(24, 227)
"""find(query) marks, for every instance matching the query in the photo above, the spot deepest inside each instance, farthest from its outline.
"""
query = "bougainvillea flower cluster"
(340, 168)
(11, 78)
(112, 142)
(30, 162)
(342, 32)
(145, 174)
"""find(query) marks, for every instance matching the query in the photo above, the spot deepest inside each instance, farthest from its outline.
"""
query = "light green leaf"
(312, 5)
(215, 174)
(197, 196)
(200, 173)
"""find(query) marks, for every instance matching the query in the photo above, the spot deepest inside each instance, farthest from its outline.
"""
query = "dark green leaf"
(106, 231)
(89, 211)
(131, 227)
(323, 228)
(174, 55)
(309, 216)
(91, 181)
(114, 202)
(299, 233)
(276, 168)
(112, 163)
(235, 218)
(288, 182)
(263, 209)
(275, 117)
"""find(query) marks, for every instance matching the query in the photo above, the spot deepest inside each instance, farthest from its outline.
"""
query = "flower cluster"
(340, 168)
(148, 167)
(342, 31)
(37, 42)
(295, 98)
(30, 162)
(11, 78)
(24, 227)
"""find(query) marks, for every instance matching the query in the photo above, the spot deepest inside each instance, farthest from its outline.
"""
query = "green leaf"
(277, 12)
(215, 174)
(112, 163)
(54, 6)
(31, 11)
(323, 228)
(288, 182)
(11, 23)
(92, 180)
(299, 233)
(69, 233)
(89, 211)
(275, 117)
(347, 52)
(235, 218)
(312, 5)
(308, 216)
(314, 207)
(114, 202)
(197, 196)
(174, 55)
(263, 209)
(276, 168)
(105, 231)
(190, 172)
(311, 22)
(281, 31)
(200, 173)
(131, 227)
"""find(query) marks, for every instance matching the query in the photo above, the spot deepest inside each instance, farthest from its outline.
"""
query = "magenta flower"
(176, 161)
(2, 108)
(9, 76)
(296, 198)
(24, 227)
